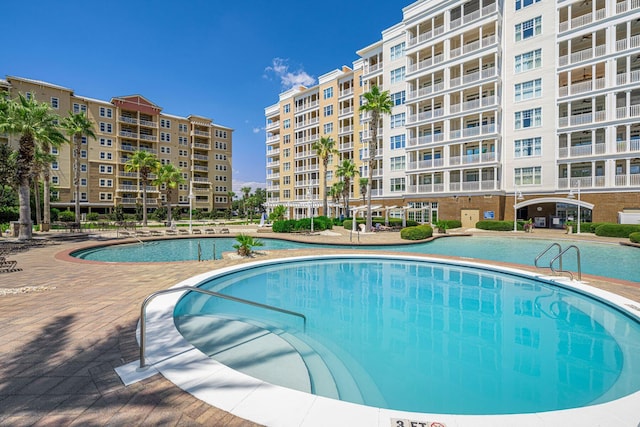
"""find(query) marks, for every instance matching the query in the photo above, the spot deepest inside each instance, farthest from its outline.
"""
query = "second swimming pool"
(623, 264)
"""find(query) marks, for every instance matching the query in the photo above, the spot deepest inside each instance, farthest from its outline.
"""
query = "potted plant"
(442, 227)
(569, 226)
(245, 244)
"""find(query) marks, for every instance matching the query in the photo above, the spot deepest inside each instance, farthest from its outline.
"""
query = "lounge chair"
(170, 232)
(124, 233)
(183, 231)
(143, 233)
(224, 231)
(209, 231)
(196, 231)
(8, 266)
(156, 233)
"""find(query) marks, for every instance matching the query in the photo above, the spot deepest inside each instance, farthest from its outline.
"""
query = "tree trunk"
(46, 217)
(144, 203)
(373, 144)
(24, 163)
(76, 174)
(36, 199)
(325, 207)
(168, 205)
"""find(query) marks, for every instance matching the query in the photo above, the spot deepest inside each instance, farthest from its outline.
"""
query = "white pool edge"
(255, 400)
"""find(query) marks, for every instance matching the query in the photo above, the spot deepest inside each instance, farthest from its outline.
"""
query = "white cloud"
(280, 68)
(257, 130)
(237, 185)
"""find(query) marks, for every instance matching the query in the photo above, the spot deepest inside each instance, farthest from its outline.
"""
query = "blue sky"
(224, 60)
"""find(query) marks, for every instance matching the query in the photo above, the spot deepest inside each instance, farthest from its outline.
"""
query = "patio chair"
(183, 231)
(196, 231)
(8, 266)
(170, 232)
(224, 231)
(209, 231)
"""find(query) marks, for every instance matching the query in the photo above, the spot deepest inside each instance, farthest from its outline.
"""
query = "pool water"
(441, 338)
(504, 249)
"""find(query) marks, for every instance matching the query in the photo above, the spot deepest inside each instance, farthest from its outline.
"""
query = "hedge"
(451, 223)
(498, 225)
(635, 237)
(393, 222)
(617, 230)
(320, 223)
(8, 214)
(419, 232)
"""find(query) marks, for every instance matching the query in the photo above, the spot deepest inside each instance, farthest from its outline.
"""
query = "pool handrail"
(143, 310)
(559, 256)
(535, 262)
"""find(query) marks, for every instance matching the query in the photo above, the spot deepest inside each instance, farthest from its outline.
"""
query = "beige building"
(527, 108)
(200, 148)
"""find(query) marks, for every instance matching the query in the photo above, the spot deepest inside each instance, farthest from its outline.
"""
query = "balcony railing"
(345, 146)
(273, 139)
(128, 120)
(472, 131)
(148, 137)
(582, 119)
(624, 146)
(583, 87)
(272, 125)
(201, 146)
(583, 55)
(148, 123)
(582, 150)
(632, 180)
(630, 111)
(426, 139)
(425, 115)
(581, 21)
(425, 164)
(307, 106)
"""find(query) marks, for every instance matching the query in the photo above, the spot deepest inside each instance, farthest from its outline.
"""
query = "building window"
(83, 154)
(328, 128)
(83, 167)
(106, 169)
(398, 98)
(106, 156)
(327, 93)
(397, 184)
(55, 103)
(106, 142)
(397, 75)
(397, 120)
(106, 182)
(528, 147)
(529, 61)
(105, 127)
(83, 197)
(54, 166)
(83, 182)
(528, 176)
(328, 110)
(182, 127)
(528, 29)
(55, 180)
(521, 4)
(286, 108)
(78, 108)
(106, 112)
(528, 118)
(286, 124)
(106, 196)
(27, 95)
(397, 163)
(165, 136)
(528, 90)
(165, 150)
(54, 151)
(165, 123)
(397, 142)
(397, 51)
(286, 166)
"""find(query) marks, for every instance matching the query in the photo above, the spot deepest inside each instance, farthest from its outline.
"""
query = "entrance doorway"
(469, 217)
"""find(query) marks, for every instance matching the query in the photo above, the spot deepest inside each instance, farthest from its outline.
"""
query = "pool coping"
(210, 381)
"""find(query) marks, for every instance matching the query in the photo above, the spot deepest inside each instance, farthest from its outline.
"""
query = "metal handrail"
(143, 310)
(559, 256)
(547, 250)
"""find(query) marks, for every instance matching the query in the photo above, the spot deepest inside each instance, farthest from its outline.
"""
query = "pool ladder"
(558, 258)
(143, 311)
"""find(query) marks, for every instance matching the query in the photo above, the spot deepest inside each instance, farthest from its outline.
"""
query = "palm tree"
(378, 103)
(324, 147)
(246, 244)
(35, 123)
(170, 176)
(41, 167)
(347, 170)
(335, 192)
(363, 182)
(245, 194)
(278, 213)
(76, 126)
(145, 164)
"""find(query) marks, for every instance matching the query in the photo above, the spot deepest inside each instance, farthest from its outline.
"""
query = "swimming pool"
(504, 249)
(489, 296)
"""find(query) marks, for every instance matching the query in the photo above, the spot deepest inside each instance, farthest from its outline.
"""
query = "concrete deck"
(67, 323)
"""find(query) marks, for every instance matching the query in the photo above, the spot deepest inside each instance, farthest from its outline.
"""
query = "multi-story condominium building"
(123, 125)
(528, 108)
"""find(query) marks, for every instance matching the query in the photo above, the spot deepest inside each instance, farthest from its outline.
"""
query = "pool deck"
(67, 324)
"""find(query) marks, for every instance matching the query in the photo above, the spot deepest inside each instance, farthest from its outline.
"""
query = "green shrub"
(498, 225)
(590, 227)
(451, 223)
(616, 230)
(55, 213)
(67, 216)
(419, 232)
(635, 237)
(93, 216)
(283, 226)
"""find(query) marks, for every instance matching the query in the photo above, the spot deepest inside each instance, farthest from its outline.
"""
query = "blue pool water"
(437, 337)
(608, 260)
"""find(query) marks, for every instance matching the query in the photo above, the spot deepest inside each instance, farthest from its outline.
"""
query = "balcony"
(130, 120)
(200, 157)
(473, 185)
(581, 21)
(346, 92)
(625, 78)
(426, 63)
(425, 91)
(425, 140)
(582, 55)
(202, 133)
(149, 150)
(626, 112)
(345, 146)
(305, 123)
(273, 139)
(632, 145)
(273, 125)
(473, 131)
(148, 123)
(200, 179)
(488, 101)
(200, 168)
(128, 134)
(306, 106)
(272, 176)
(473, 77)
(473, 46)
(425, 115)
(201, 146)
(582, 150)
(425, 164)
(274, 152)
(127, 147)
(631, 180)
(582, 119)
(345, 129)
(346, 111)
(425, 188)
(367, 134)
(582, 182)
(369, 69)
(487, 10)
(470, 159)
(275, 164)
(584, 87)
(148, 137)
